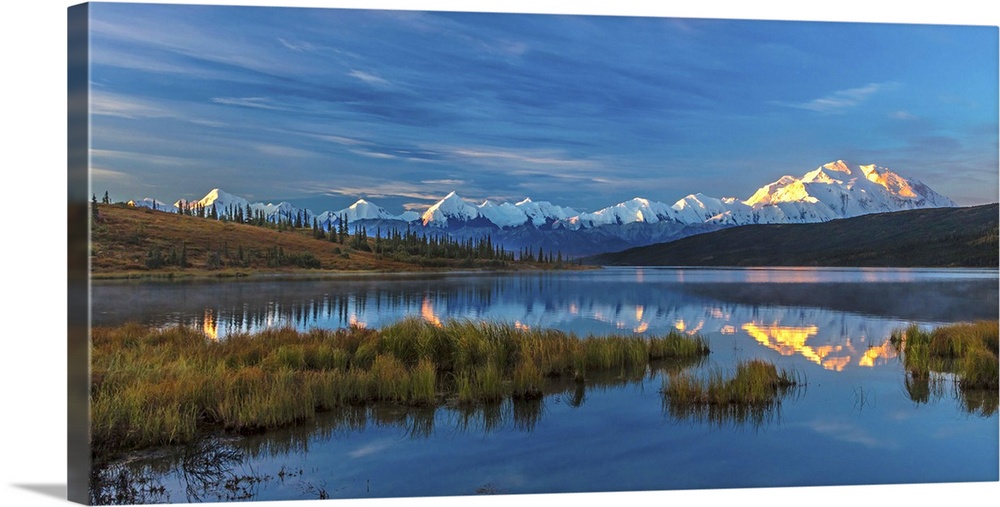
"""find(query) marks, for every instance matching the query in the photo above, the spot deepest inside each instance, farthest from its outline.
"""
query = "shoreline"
(187, 275)
(203, 275)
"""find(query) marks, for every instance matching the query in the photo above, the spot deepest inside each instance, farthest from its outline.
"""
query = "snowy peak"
(364, 210)
(765, 194)
(839, 167)
(848, 190)
(544, 212)
(452, 207)
(408, 216)
(283, 210)
(891, 181)
(221, 200)
(699, 207)
(637, 209)
(149, 202)
(503, 214)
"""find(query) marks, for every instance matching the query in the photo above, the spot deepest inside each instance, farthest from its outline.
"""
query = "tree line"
(429, 249)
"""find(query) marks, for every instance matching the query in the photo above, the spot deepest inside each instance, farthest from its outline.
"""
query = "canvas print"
(336, 253)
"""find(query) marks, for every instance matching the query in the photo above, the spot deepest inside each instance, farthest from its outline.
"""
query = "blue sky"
(322, 106)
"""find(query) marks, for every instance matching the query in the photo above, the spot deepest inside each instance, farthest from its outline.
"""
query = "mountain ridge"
(834, 190)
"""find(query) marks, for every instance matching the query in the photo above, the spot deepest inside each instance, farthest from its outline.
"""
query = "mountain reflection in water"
(836, 318)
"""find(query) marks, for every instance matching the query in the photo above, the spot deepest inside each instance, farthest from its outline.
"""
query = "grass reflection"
(209, 470)
(960, 359)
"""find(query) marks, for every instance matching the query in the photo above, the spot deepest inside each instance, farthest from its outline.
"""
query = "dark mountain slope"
(939, 237)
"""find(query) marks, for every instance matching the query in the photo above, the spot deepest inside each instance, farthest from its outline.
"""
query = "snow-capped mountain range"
(834, 190)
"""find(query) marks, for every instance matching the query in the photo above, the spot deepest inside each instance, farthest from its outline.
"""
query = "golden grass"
(164, 386)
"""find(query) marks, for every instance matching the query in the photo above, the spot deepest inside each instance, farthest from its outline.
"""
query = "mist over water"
(653, 299)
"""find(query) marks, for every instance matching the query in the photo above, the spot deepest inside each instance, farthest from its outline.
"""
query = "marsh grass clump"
(677, 345)
(748, 395)
(755, 382)
(163, 386)
(966, 351)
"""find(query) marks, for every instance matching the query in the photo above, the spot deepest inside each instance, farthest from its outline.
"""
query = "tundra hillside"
(137, 242)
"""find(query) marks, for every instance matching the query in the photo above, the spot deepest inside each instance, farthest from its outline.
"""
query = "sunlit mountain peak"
(217, 197)
(839, 190)
(452, 207)
(891, 181)
(838, 166)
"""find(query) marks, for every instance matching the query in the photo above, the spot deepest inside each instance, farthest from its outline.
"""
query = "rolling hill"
(137, 241)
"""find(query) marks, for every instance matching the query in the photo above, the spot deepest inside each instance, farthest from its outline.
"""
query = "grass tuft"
(749, 395)
(968, 351)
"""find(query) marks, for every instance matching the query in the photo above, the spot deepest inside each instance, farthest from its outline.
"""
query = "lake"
(855, 421)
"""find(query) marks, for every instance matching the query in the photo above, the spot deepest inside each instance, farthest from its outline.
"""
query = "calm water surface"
(855, 421)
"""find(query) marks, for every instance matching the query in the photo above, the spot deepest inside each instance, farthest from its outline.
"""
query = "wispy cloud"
(132, 60)
(283, 151)
(139, 157)
(397, 152)
(841, 100)
(416, 206)
(381, 189)
(296, 46)
(513, 156)
(346, 141)
(447, 182)
(168, 33)
(253, 102)
(368, 77)
(135, 108)
(492, 155)
(373, 154)
(108, 174)
(124, 106)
